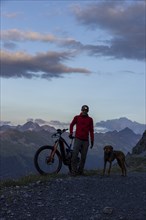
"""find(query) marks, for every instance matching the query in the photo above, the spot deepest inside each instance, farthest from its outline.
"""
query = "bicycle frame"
(63, 145)
(48, 159)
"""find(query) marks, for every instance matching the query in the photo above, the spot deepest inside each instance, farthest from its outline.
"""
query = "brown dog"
(110, 155)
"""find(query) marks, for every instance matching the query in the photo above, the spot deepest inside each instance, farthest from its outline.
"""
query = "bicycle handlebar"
(60, 132)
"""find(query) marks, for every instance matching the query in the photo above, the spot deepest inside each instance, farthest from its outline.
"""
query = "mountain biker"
(84, 127)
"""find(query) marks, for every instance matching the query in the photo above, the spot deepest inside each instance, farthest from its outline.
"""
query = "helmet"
(85, 108)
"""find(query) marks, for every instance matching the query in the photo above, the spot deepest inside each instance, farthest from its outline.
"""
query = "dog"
(110, 155)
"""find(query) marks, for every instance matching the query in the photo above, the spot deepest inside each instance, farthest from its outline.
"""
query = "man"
(84, 127)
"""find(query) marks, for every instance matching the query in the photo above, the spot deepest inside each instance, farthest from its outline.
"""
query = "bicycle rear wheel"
(41, 163)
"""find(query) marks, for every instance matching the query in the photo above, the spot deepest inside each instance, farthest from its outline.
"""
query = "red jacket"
(84, 127)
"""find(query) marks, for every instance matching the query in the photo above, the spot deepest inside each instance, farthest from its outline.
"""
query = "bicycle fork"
(50, 158)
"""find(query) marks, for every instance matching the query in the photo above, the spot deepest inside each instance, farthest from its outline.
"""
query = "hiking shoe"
(81, 173)
(72, 174)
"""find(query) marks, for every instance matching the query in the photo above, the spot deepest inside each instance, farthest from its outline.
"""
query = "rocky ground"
(77, 198)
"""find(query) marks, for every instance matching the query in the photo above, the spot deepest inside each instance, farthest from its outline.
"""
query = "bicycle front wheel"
(41, 161)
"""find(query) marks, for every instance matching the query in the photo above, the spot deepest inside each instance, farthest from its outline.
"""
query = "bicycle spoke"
(46, 164)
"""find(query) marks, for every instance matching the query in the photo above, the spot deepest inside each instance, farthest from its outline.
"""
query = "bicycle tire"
(40, 161)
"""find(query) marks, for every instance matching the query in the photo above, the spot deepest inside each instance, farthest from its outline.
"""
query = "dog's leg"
(121, 165)
(110, 165)
(104, 167)
(124, 168)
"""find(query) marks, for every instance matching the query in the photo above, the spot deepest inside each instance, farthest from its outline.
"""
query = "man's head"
(85, 109)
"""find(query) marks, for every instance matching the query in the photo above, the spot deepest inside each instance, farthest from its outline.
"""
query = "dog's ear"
(111, 148)
(104, 147)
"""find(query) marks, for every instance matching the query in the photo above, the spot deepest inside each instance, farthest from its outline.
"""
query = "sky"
(59, 55)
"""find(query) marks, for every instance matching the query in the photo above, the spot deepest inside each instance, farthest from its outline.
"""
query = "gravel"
(77, 198)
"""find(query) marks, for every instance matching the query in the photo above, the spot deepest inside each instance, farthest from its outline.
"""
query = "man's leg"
(84, 150)
(76, 149)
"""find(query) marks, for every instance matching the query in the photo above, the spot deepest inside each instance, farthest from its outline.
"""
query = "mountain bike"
(49, 159)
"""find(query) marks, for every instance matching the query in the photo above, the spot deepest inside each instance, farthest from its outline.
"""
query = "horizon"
(55, 123)
(50, 68)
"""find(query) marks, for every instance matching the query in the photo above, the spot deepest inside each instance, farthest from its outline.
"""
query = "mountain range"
(28, 126)
(102, 126)
(19, 144)
(119, 124)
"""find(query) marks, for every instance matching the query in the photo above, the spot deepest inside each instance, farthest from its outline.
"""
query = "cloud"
(44, 65)
(58, 123)
(9, 45)
(125, 23)
(5, 123)
(54, 123)
(18, 36)
(11, 15)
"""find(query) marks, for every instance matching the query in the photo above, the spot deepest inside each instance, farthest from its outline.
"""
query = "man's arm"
(92, 133)
(74, 121)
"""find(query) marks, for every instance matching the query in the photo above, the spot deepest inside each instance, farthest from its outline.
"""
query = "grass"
(34, 178)
(28, 180)
(136, 164)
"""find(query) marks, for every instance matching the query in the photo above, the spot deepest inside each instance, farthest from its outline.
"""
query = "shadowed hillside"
(18, 148)
(137, 159)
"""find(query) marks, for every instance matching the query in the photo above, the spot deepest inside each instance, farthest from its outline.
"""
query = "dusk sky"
(59, 55)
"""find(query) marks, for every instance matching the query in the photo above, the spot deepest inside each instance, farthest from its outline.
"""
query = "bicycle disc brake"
(49, 160)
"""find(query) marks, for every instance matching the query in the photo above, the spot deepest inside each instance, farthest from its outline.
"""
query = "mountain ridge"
(102, 126)
(121, 123)
(18, 148)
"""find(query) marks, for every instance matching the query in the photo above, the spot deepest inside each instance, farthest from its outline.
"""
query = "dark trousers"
(82, 147)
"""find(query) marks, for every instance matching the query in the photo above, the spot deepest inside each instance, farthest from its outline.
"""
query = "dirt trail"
(77, 198)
